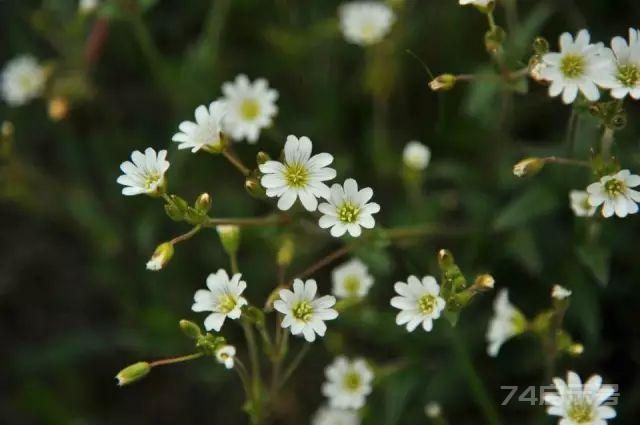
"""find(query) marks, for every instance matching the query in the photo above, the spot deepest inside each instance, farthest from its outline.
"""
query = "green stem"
(566, 161)
(491, 19)
(147, 46)
(186, 236)
(271, 220)
(236, 162)
(172, 360)
(294, 364)
(607, 142)
(572, 127)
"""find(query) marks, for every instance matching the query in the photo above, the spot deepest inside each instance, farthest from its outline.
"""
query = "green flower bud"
(528, 167)
(161, 256)
(133, 373)
(484, 282)
(229, 237)
(176, 208)
(262, 157)
(254, 188)
(203, 203)
(445, 258)
(443, 82)
(285, 253)
(190, 329)
(540, 46)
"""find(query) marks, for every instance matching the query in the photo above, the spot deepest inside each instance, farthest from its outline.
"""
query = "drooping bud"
(229, 237)
(203, 203)
(133, 373)
(226, 355)
(528, 167)
(484, 282)
(58, 108)
(161, 256)
(190, 329)
(443, 82)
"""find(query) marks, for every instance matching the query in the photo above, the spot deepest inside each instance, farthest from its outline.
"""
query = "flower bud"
(229, 237)
(133, 373)
(254, 188)
(58, 108)
(445, 258)
(203, 203)
(226, 355)
(528, 167)
(484, 282)
(443, 82)
(540, 46)
(576, 349)
(494, 39)
(161, 256)
(285, 253)
(560, 293)
(190, 329)
(262, 157)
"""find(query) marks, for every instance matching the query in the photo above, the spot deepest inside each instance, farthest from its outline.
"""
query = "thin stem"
(249, 221)
(324, 261)
(244, 376)
(147, 46)
(608, 136)
(186, 236)
(294, 364)
(491, 19)
(253, 354)
(236, 162)
(172, 360)
(572, 127)
(566, 161)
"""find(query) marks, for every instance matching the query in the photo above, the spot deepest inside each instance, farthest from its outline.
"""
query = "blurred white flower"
(580, 205)
(615, 195)
(225, 355)
(348, 209)
(88, 6)
(481, 3)
(347, 383)
(365, 22)
(250, 107)
(351, 280)
(330, 416)
(145, 174)
(416, 155)
(206, 132)
(300, 176)
(560, 292)
(419, 302)
(506, 323)
(303, 312)
(624, 78)
(579, 404)
(23, 79)
(433, 410)
(224, 299)
(579, 66)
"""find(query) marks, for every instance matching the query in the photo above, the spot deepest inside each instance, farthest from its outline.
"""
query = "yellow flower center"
(303, 311)
(351, 381)
(572, 66)
(249, 109)
(352, 285)
(226, 303)
(348, 213)
(150, 180)
(614, 187)
(427, 303)
(296, 175)
(628, 75)
(580, 411)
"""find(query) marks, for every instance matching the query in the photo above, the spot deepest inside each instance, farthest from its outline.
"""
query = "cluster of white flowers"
(365, 22)
(614, 193)
(23, 79)
(581, 66)
(419, 302)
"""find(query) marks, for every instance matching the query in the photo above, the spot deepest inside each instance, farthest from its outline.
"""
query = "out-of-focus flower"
(226, 355)
(580, 205)
(433, 410)
(144, 174)
(560, 292)
(579, 404)
(351, 280)
(419, 302)
(303, 312)
(579, 66)
(481, 3)
(416, 155)
(250, 107)
(88, 6)
(23, 79)
(625, 74)
(206, 132)
(300, 176)
(365, 22)
(330, 416)
(506, 323)
(348, 382)
(348, 209)
(224, 299)
(615, 195)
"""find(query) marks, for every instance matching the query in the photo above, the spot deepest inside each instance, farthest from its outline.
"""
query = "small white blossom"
(206, 133)
(145, 174)
(578, 404)
(330, 416)
(579, 66)
(419, 302)
(506, 323)
(351, 280)
(224, 299)
(416, 155)
(624, 77)
(365, 22)
(560, 292)
(300, 176)
(303, 312)
(481, 3)
(580, 205)
(347, 383)
(250, 107)
(433, 410)
(348, 209)
(225, 355)
(23, 79)
(88, 6)
(615, 195)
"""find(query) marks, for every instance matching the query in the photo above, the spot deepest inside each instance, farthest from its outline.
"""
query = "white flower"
(615, 195)
(347, 383)
(300, 176)
(206, 132)
(351, 280)
(578, 66)
(416, 155)
(579, 404)
(225, 355)
(481, 3)
(330, 416)
(223, 299)
(560, 292)
(625, 73)
(419, 302)
(506, 323)
(433, 410)
(88, 6)
(348, 209)
(365, 22)
(145, 174)
(303, 312)
(250, 107)
(580, 203)
(23, 79)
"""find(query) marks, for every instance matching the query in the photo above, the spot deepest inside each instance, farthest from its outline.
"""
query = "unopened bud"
(443, 82)
(484, 282)
(262, 157)
(190, 329)
(536, 66)
(445, 258)
(161, 256)
(285, 253)
(560, 292)
(58, 108)
(254, 188)
(133, 373)
(203, 203)
(540, 46)
(575, 349)
(229, 237)
(494, 39)
(528, 167)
